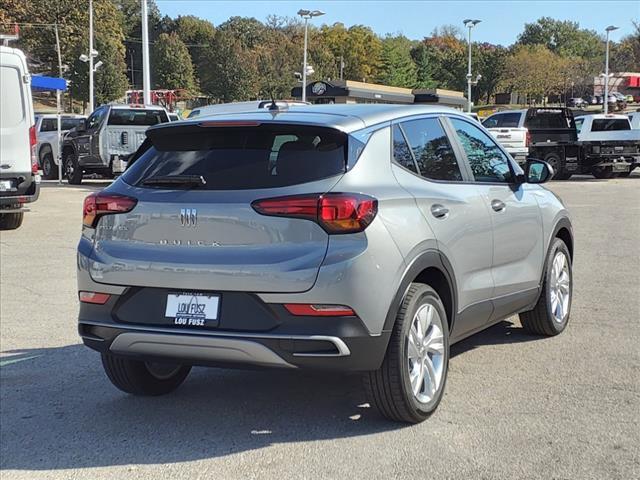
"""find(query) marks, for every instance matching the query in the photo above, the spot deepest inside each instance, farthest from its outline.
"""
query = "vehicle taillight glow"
(319, 310)
(230, 123)
(33, 142)
(94, 297)
(97, 205)
(336, 213)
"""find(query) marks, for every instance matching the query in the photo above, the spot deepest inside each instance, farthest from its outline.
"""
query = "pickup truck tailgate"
(510, 137)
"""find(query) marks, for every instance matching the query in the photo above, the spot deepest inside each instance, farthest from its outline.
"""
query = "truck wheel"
(49, 167)
(602, 172)
(551, 313)
(409, 385)
(557, 164)
(72, 171)
(11, 221)
(624, 174)
(143, 378)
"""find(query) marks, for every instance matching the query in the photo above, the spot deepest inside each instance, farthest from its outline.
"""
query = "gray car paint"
(490, 255)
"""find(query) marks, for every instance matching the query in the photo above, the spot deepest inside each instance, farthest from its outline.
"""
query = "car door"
(428, 167)
(88, 141)
(515, 216)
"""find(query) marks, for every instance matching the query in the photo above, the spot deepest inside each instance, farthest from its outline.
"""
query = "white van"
(19, 179)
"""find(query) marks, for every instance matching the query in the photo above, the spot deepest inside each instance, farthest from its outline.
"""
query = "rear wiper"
(175, 180)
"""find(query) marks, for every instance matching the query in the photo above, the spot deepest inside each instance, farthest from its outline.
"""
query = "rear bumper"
(26, 190)
(519, 154)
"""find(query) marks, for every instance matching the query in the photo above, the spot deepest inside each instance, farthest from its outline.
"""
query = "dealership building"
(348, 91)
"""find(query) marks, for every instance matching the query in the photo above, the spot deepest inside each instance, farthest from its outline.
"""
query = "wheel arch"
(43, 150)
(564, 231)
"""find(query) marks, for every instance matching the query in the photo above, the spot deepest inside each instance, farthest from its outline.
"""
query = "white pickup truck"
(47, 135)
(508, 128)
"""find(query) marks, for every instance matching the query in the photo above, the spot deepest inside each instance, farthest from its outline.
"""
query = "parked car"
(19, 179)
(105, 140)
(577, 102)
(505, 126)
(629, 99)
(344, 237)
(237, 107)
(620, 100)
(47, 135)
(174, 117)
(593, 100)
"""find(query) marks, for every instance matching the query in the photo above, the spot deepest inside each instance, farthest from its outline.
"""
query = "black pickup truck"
(551, 135)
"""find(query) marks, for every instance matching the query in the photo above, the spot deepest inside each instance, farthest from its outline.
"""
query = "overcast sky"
(502, 21)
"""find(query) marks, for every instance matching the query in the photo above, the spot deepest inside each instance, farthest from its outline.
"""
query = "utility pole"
(90, 56)
(58, 108)
(146, 79)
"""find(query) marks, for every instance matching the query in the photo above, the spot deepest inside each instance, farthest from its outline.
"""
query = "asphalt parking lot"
(516, 406)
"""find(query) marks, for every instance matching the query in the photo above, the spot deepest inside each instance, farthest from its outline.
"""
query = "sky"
(502, 21)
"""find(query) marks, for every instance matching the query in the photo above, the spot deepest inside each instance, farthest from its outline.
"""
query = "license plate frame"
(193, 309)
(6, 185)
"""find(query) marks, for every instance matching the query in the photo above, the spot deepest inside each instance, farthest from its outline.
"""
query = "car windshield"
(136, 117)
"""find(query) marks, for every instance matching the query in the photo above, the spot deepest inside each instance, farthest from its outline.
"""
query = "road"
(516, 406)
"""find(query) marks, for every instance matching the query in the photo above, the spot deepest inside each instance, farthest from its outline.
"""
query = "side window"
(49, 125)
(95, 119)
(509, 120)
(486, 160)
(492, 121)
(431, 148)
(401, 152)
(579, 122)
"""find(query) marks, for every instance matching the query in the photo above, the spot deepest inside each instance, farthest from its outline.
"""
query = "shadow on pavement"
(87, 186)
(501, 333)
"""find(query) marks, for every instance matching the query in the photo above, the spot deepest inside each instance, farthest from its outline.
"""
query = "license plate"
(193, 309)
(504, 136)
(620, 167)
(5, 185)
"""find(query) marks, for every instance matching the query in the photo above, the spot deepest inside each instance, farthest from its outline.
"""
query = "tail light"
(33, 143)
(97, 205)
(335, 212)
(527, 139)
(94, 297)
(314, 310)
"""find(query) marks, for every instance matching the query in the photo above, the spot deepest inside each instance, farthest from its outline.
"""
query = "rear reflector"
(315, 310)
(334, 212)
(97, 205)
(94, 297)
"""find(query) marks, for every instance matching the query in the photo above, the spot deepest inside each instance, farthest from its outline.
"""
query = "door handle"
(439, 211)
(498, 205)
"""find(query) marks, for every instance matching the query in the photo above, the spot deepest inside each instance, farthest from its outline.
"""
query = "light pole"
(470, 24)
(91, 56)
(610, 28)
(307, 15)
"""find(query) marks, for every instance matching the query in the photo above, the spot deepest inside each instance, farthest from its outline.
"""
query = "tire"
(71, 169)
(137, 377)
(624, 174)
(602, 172)
(557, 164)
(543, 320)
(390, 387)
(49, 167)
(11, 221)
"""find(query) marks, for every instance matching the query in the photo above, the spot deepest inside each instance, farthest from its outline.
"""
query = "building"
(627, 83)
(349, 91)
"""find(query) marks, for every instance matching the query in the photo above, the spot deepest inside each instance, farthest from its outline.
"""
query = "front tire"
(11, 221)
(49, 167)
(550, 316)
(143, 378)
(410, 383)
(72, 171)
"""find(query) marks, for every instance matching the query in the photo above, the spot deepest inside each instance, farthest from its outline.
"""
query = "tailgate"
(123, 141)
(510, 137)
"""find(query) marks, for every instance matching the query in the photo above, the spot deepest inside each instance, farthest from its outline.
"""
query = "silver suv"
(355, 238)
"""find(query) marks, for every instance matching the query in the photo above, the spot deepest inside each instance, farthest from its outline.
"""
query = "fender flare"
(44, 149)
(427, 259)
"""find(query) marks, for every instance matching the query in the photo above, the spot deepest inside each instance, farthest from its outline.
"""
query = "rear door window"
(136, 117)
(610, 124)
(401, 152)
(242, 158)
(548, 119)
(11, 97)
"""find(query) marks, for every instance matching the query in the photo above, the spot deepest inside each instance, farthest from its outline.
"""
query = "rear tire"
(142, 378)
(49, 167)
(11, 221)
(624, 174)
(397, 389)
(71, 169)
(557, 164)
(551, 313)
(602, 172)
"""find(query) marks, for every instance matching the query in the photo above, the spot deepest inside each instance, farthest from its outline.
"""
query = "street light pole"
(90, 56)
(469, 24)
(307, 15)
(610, 28)
(146, 78)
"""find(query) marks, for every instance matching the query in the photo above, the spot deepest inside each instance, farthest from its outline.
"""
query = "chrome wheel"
(162, 371)
(426, 354)
(560, 287)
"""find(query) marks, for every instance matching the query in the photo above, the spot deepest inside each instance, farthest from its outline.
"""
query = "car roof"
(62, 115)
(347, 118)
(602, 115)
(126, 106)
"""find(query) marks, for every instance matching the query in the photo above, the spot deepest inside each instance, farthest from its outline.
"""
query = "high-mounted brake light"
(33, 142)
(97, 205)
(319, 310)
(231, 123)
(336, 213)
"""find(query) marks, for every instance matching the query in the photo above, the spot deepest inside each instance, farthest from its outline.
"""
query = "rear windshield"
(608, 124)
(543, 119)
(137, 117)
(51, 124)
(241, 158)
(503, 120)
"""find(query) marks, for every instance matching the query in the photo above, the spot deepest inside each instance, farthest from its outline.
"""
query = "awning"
(42, 83)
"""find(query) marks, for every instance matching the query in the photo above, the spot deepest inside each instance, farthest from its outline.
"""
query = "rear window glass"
(11, 99)
(134, 117)
(503, 120)
(242, 158)
(609, 124)
(51, 124)
(548, 119)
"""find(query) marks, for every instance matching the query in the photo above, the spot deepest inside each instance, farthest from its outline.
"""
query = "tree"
(172, 64)
(441, 61)
(490, 61)
(359, 46)
(197, 34)
(396, 65)
(564, 38)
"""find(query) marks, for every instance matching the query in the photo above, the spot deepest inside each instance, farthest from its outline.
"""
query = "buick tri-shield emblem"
(188, 217)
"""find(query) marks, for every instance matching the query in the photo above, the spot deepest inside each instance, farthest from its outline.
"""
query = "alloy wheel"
(560, 287)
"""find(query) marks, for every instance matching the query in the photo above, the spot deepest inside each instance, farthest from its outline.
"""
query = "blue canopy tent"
(40, 83)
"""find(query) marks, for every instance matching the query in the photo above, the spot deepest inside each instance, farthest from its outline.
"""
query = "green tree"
(358, 45)
(564, 38)
(197, 34)
(172, 65)
(490, 61)
(396, 65)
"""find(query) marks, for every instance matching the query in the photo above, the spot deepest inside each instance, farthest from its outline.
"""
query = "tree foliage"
(172, 62)
(396, 65)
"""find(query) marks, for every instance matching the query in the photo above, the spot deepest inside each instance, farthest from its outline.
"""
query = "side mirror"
(538, 171)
